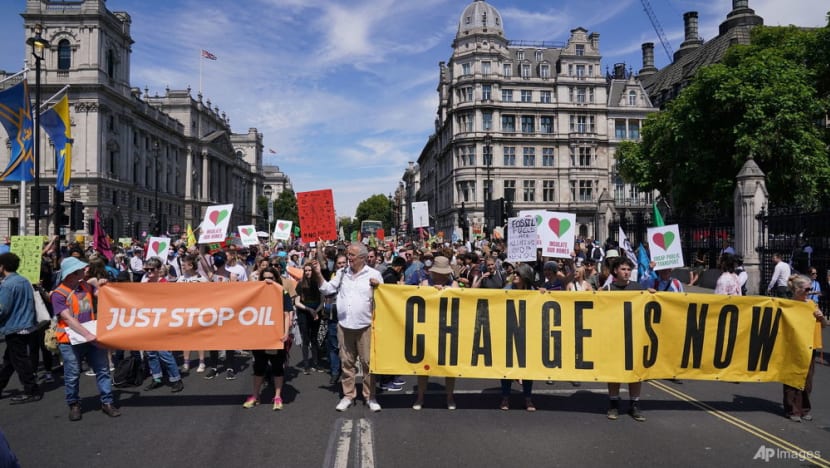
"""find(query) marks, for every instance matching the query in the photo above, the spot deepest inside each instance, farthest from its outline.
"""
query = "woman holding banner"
(523, 279)
(440, 277)
(797, 402)
(275, 357)
(309, 305)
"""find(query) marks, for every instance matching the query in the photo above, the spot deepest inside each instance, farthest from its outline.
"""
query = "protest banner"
(557, 233)
(664, 247)
(215, 224)
(210, 316)
(624, 336)
(521, 239)
(316, 211)
(158, 247)
(30, 251)
(541, 216)
(282, 230)
(248, 235)
(420, 214)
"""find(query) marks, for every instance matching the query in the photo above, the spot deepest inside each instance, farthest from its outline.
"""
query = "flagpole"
(22, 225)
(12, 76)
(200, 72)
(53, 96)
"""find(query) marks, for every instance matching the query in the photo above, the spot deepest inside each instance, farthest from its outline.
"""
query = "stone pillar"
(205, 174)
(188, 178)
(605, 211)
(750, 196)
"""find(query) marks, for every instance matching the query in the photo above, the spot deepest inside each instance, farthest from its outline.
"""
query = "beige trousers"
(355, 344)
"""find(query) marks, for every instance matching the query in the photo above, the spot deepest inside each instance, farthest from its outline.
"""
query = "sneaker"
(399, 381)
(807, 417)
(549, 382)
(373, 405)
(451, 405)
(334, 379)
(319, 369)
(391, 387)
(505, 404)
(211, 373)
(344, 404)
(176, 386)
(418, 405)
(25, 398)
(306, 371)
(613, 410)
(250, 402)
(185, 367)
(230, 374)
(277, 403)
(636, 413)
(795, 418)
(201, 368)
(90, 373)
(154, 384)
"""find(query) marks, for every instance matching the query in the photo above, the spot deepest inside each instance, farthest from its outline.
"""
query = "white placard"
(282, 230)
(158, 247)
(664, 247)
(77, 338)
(420, 214)
(540, 216)
(215, 224)
(521, 239)
(248, 234)
(557, 233)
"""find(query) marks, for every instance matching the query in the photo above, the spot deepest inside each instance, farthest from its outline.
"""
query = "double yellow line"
(740, 424)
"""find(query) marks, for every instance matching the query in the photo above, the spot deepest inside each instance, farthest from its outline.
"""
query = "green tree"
(762, 101)
(377, 207)
(348, 224)
(285, 207)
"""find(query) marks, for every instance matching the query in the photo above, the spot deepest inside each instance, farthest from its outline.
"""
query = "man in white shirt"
(235, 266)
(354, 287)
(778, 283)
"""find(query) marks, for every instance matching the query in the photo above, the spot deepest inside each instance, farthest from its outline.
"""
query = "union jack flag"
(208, 55)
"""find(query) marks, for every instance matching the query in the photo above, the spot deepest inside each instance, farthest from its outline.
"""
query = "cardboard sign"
(282, 230)
(316, 210)
(248, 235)
(29, 249)
(420, 214)
(539, 216)
(521, 239)
(557, 233)
(158, 247)
(215, 224)
(664, 247)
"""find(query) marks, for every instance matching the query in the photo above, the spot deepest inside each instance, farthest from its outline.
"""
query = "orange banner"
(206, 316)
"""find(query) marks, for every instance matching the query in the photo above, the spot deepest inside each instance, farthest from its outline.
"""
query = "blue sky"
(344, 91)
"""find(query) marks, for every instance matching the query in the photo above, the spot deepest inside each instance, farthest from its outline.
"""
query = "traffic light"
(60, 215)
(76, 211)
(40, 204)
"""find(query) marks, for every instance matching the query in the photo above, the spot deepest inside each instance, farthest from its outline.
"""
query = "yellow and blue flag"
(56, 123)
(16, 117)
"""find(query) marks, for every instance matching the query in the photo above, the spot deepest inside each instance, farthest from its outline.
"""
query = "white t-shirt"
(239, 270)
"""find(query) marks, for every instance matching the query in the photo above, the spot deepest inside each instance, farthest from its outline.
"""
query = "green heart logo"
(159, 246)
(559, 226)
(282, 226)
(538, 220)
(663, 240)
(217, 216)
(248, 231)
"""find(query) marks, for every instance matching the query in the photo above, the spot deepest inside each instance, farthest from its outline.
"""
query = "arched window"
(632, 98)
(64, 55)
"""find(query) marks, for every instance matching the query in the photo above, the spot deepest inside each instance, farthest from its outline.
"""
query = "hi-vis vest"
(79, 307)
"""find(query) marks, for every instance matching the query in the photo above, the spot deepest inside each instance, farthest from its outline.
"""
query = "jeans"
(308, 331)
(16, 358)
(169, 361)
(333, 348)
(97, 359)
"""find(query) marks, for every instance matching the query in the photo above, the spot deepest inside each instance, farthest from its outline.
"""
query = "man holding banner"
(354, 287)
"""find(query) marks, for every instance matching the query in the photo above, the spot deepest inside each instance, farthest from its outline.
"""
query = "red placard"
(316, 210)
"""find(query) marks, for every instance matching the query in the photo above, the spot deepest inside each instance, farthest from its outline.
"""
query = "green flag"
(658, 218)
(354, 236)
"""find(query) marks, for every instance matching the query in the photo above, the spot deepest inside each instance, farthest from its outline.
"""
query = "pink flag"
(100, 242)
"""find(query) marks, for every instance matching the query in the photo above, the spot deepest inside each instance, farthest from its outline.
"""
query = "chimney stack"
(648, 60)
(693, 41)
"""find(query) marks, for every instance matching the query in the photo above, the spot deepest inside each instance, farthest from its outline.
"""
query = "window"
(545, 97)
(632, 98)
(525, 71)
(529, 190)
(582, 191)
(509, 189)
(547, 190)
(547, 157)
(527, 95)
(538, 55)
(487, 151)
(544, 71)
(520, 55)
(507, 95)
(466, 190)
(507, 70)
(508, 123)
(634, 129)
(581, 124)
(487, 120)
(467, 155)
(529, 157)
(110, 63)
(590, 94)
(488, 188)
(546, 124)
(14, 196)
(484, 18)
(619, 129)
(570, 69)
(590, 70)
(465, 122)
(64, 55)
(509, 155)
(580, 94)
(466, 69)
(528, 124)
(486, 92)
(580, 71)
(585, 156)
(466, 94)
(485, 68)
(580, 50)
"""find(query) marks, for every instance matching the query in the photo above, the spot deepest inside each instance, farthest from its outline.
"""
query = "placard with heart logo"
(158, 247)
(540, 217)
(282, 230)
(247, 235)
(664, 247)
(557, 233)
(214, 227)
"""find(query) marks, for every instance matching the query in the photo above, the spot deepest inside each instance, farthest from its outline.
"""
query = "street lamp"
(488, 193)
(38, 44)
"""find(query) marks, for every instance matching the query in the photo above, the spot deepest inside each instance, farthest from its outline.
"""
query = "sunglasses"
(148, 270)
(268, 277)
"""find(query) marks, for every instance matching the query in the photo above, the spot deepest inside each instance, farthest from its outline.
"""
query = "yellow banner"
(625, 336)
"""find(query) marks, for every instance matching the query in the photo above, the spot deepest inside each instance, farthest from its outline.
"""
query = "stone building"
(533, 123)
(141, 160)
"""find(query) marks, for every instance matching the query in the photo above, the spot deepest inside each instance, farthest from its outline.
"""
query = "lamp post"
(38, 44)
(155, 216)
(488, 193)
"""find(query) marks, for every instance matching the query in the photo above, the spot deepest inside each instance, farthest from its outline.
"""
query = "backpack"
(128, 373)
(596, 254)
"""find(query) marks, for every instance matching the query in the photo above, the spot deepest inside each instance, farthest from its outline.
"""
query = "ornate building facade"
(141, 160)
(533, 123)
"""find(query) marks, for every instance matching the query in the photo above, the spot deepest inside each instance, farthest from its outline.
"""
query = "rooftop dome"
(480, 16)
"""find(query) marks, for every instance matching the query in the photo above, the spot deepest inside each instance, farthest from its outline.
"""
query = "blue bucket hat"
(70, 265)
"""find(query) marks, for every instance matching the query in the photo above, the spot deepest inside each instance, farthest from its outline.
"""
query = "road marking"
(741, 424)
(340, 444)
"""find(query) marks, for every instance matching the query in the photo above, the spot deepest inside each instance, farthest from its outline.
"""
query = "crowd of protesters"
(328, 305)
